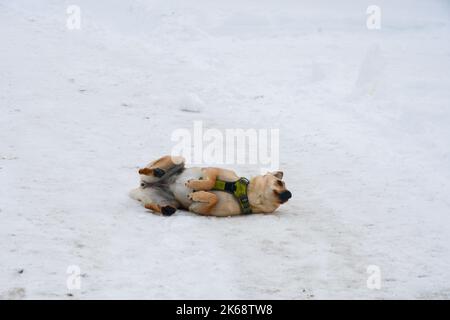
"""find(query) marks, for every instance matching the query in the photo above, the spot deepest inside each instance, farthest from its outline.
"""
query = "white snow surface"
(364, 119)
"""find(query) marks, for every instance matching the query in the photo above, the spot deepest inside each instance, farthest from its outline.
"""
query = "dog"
(167, 185)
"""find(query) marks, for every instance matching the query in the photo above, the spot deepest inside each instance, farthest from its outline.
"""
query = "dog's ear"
(278, 174)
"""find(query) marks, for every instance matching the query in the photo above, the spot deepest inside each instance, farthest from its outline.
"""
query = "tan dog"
(167, 185)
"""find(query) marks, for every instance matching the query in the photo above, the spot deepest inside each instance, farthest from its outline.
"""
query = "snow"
(364, 144)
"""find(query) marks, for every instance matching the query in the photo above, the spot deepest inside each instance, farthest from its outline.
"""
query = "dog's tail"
(135, 194)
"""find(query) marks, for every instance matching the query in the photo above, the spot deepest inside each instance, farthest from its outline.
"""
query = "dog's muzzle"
(285, 196)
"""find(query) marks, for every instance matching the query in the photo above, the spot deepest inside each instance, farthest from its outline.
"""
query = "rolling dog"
(167, 185)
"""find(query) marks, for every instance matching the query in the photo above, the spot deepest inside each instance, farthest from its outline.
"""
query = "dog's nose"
(285, 196)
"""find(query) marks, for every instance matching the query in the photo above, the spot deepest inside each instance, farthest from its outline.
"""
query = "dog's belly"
(226, 206)
(179, 189)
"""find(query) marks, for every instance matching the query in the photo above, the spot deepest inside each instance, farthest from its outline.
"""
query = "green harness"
(238, 189)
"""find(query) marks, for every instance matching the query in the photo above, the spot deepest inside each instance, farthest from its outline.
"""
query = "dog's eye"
(279, 183)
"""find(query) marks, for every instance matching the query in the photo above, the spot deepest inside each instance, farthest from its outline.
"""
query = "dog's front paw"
(190, 196)
(188, 184)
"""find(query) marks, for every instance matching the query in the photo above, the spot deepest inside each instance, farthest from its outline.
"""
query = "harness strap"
(238, 189)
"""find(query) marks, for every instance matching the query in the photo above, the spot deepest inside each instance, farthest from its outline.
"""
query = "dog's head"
(268, 192)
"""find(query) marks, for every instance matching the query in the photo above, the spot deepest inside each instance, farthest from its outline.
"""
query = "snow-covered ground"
(364, 119)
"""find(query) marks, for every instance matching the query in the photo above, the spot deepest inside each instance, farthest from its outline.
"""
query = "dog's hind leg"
(158, 169)
(165, 210)
(203, 202)
(163, 203)
(155, 201)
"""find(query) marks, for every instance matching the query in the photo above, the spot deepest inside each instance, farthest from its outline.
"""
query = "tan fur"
(203, 202)
(153, 206)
